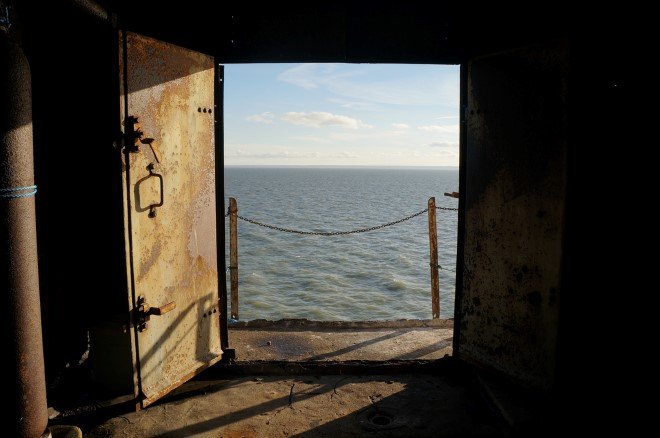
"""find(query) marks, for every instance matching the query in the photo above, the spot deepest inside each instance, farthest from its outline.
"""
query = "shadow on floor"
(447, 404)
(357, 346)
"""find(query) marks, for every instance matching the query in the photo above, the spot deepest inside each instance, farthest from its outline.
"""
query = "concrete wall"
(515, 200)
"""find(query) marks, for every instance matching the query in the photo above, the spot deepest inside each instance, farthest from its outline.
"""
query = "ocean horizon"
(335, 166)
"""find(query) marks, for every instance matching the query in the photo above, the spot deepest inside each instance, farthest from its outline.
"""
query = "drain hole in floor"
(380, 419)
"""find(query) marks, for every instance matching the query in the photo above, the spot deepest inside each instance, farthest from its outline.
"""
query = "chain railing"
(332, 233)
(335, 233)
(232, 213)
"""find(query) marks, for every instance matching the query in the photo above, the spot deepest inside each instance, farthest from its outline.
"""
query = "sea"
(377, 275)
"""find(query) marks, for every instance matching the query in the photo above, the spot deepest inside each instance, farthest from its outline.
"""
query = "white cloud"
(281, 154)
(440, 128)
(320, 118)
(351, 104)
(423, 154)
(266, 118)
(303, 75)
(443, 145)
(342, 154)
(309, 138)
(400, 126)
(240, 153)
(444, 153)
(351, 136)
(427, 86)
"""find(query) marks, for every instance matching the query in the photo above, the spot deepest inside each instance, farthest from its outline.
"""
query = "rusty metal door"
(167, 103)
(515, 196)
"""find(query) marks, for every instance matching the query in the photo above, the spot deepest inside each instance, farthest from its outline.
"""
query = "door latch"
(144, 312)
(132, 134)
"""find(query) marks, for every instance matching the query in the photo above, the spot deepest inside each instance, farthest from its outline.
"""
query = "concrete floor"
(332, 379)
(324, 343)
(430, 402)
(315, 406)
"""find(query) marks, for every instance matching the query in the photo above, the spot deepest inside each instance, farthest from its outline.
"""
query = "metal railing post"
(433, 247)
(233, 255)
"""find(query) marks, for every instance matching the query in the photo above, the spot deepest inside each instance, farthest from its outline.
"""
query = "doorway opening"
(330, 169)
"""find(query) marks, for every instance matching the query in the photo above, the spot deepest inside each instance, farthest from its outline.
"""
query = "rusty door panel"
(516, 142)
(172, 247)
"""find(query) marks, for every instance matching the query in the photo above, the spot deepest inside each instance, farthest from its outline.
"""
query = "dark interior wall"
(77, 170)
(75, 125)
(515, 199)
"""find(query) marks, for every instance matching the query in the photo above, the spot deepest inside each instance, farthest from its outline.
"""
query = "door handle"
(152, 207)
(162, 310)
(145, 311)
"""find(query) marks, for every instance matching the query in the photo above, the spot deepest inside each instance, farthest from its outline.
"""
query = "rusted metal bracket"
(144, 312)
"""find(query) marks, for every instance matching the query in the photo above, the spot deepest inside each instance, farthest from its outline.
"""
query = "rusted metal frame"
(460, 241)
(220, 202)
(129, 234)
(25, 413)
(433, 249)
(233, 255)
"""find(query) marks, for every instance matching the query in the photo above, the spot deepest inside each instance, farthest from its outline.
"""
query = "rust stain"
(175, 253)
(149, 258)
(147, 401)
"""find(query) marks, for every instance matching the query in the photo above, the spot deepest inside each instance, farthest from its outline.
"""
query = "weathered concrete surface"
(514, 219)
(321, 406)
(308, 324)
(324, 344)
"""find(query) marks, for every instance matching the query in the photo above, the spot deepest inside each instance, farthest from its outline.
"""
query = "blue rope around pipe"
(18, 192)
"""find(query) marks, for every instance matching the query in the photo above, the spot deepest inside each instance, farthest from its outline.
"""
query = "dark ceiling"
(410, 31)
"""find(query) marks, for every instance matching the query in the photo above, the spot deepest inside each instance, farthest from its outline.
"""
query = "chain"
(332, 233)
(437, 208)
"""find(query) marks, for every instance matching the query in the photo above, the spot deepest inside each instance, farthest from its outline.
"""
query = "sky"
(341, 114)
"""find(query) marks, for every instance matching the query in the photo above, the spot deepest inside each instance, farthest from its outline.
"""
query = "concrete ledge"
(339, 342)
(306, 324)
(304, 368)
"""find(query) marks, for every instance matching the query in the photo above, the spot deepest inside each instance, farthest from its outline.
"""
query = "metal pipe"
(24, 412)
